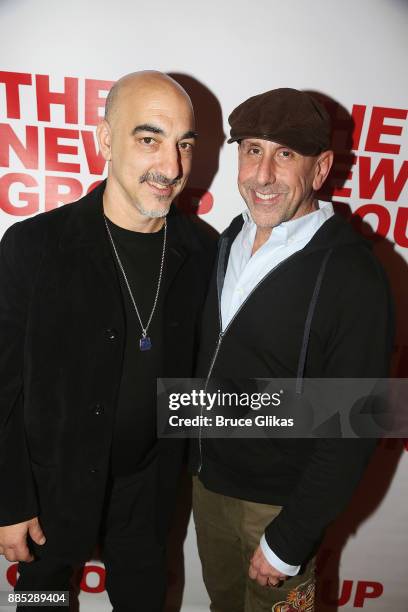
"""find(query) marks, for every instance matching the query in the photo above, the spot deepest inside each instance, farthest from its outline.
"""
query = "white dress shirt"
(244, 271)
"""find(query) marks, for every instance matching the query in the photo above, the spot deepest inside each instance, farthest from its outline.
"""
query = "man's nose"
(266, 171)
(170, 164)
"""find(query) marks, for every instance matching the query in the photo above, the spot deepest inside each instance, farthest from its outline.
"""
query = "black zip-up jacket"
(350, 336)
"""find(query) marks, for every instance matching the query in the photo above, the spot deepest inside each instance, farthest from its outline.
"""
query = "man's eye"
(148, 140)
(254, 151)
(186, 146)
(285, 154)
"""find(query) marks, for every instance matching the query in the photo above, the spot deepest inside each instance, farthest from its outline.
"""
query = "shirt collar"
(294, 230)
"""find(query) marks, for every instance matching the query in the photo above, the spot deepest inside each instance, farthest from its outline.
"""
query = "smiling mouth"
(266, 197)
(163, 190)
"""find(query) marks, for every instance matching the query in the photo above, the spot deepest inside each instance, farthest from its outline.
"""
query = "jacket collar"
(224, 248)
(85, 224)
(85, 230)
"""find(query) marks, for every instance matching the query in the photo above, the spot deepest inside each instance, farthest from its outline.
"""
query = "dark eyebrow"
(190, 134)
(250, 142)
(146, 127)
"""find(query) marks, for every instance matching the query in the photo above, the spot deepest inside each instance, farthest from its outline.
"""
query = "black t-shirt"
(134, 436)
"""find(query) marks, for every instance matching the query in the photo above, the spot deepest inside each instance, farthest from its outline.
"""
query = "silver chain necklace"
(145, 343)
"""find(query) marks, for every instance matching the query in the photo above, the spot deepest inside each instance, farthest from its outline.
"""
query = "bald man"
(97, 299)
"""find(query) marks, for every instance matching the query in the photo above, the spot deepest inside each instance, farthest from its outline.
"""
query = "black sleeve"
(18, 498)
(359, 346)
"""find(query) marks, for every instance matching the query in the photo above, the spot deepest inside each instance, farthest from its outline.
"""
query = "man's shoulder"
(39, 223)
(34, 230)
(26, 240)
(196, 233)
(352, 258)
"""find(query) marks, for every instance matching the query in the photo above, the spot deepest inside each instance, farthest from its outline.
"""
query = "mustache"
(158, 178)
(271, 188)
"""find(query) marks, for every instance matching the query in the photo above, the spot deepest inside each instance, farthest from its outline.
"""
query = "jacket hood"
(336, 232)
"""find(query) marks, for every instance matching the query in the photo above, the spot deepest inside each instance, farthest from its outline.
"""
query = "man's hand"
(263, 572)
(13, 540)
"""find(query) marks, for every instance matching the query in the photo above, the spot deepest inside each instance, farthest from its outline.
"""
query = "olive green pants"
(228, 533)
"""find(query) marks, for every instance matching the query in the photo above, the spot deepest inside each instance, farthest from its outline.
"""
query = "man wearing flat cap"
(296, 294)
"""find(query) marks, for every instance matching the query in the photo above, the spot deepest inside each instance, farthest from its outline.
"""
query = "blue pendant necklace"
(145, 343)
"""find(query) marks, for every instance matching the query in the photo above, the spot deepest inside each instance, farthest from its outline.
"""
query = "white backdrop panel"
(353, 52)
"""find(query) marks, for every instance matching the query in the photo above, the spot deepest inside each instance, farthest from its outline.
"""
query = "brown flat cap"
(287, 116)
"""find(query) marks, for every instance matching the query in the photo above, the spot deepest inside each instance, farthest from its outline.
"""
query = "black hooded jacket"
(350, 336)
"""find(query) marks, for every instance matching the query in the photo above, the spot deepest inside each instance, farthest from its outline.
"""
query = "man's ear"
(323, 164)
(103, 134)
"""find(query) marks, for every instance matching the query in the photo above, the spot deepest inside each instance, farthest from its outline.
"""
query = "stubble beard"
(262, 221)
(157, 213)
(161, 212)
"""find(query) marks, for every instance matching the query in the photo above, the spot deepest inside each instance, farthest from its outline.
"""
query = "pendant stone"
(145, 343)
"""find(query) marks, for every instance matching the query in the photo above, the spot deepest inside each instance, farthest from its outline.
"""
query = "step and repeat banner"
(57, 64)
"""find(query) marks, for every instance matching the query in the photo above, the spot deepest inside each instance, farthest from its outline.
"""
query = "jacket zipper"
(217, 348)
(218, 345)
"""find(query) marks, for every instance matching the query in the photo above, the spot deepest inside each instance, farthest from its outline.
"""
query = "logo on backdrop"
(377, 173)
(43, 164)
(49, 154)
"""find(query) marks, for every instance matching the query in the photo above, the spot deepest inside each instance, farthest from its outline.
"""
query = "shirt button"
(98, 409)
(111, 335)
(94, 470)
